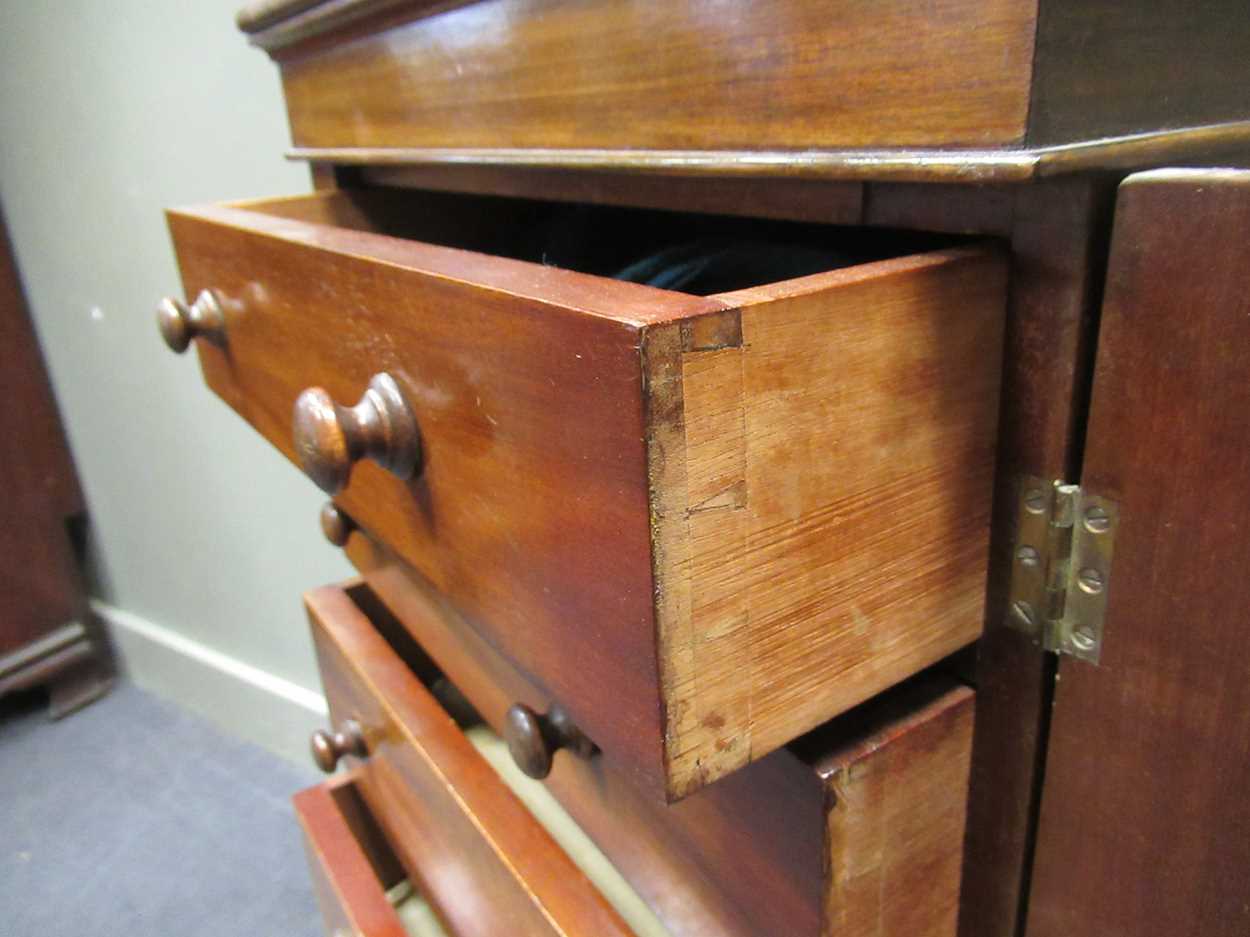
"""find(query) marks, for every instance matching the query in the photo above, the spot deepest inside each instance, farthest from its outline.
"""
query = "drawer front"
(470, 847)
(351, 869)
(790, 74)
(856, 828)
(530, 503)
(706, 524)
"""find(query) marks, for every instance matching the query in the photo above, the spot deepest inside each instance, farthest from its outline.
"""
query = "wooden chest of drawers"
(728, 563)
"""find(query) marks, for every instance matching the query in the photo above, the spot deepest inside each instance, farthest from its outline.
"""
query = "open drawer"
(854, 828)
(361, 888)
(470, 846)
(706, 524)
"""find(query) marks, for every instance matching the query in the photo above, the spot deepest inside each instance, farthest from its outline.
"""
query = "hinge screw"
(1083, 638)
(1090, 580)
(1097, 520)
(1023, 612)
(1028, 556)
(1035, 501)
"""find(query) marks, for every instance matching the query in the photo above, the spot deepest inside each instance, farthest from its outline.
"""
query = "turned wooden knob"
(335, 524)
(330, 439)
(533, 740)
(329, 747)
(179, 323)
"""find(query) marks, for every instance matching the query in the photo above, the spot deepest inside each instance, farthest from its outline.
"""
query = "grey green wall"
(110, 111)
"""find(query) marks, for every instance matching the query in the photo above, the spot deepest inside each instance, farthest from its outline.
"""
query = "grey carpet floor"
(133, 818)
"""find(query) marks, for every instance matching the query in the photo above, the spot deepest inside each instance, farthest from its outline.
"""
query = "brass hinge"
(1061, 566)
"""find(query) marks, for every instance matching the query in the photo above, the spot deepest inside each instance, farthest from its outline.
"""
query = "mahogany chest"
(783, 429)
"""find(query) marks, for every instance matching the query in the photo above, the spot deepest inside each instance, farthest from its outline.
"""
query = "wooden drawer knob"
(533, 740)
(329, 747)
(179, 323)
(335, 524)
(330, 439)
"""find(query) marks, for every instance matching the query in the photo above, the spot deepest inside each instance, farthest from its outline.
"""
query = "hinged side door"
(1145, 815)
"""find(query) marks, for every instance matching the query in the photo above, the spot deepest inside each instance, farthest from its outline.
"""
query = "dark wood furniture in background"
(48, 636)
(736, 541)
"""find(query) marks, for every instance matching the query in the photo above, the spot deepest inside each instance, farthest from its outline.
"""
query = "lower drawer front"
(470, 846)
(856, 828)
(352, 868)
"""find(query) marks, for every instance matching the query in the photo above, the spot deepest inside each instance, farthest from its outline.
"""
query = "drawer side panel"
(897, 802)
(830, 538)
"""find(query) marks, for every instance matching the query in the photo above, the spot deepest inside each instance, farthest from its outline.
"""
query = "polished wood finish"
(796, 843)
(1058, 246)
(671, 76)
(886, 165)
(1205, 144)
(330, 439)
(328, 748)
(531, 509)
(48, 635)
(1106, 69)
(484, 864)
(534, 738)
(990, 91)
(653, 857)
(350, 864)
(605, 460)
(1145, 825)
(41, 588)
(954, 209)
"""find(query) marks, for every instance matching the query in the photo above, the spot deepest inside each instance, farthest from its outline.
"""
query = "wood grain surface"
(1058, 255)
(896, 799)
(482, 861)
(649, 74)
(750, 855)
(350, 875)
(1145, 825)
(1198, 145)
(40, 585)
(48, 634)
(822, 496)
(657, 856)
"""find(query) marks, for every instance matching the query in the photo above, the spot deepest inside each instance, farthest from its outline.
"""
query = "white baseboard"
(240, 699)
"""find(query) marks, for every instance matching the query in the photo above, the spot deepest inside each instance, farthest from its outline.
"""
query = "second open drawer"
(856, 828)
